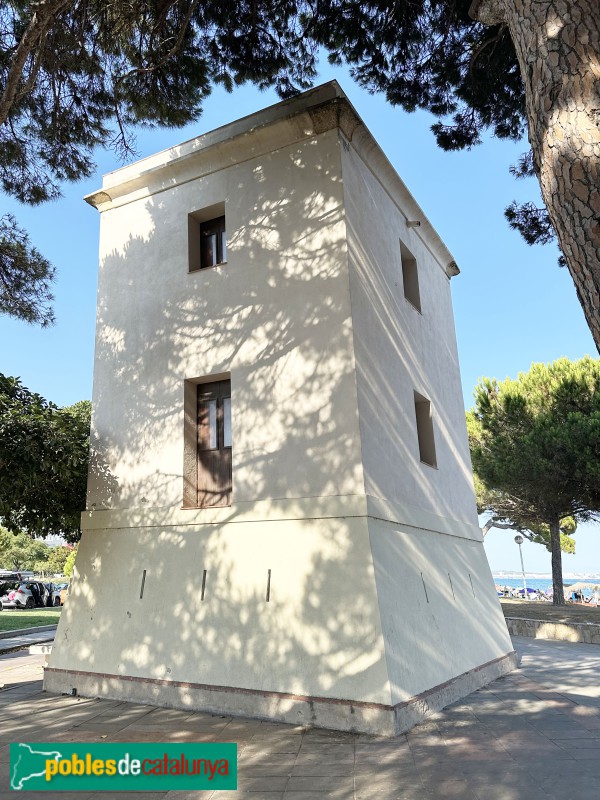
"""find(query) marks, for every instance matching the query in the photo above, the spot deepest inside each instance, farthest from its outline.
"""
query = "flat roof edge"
(326, 107)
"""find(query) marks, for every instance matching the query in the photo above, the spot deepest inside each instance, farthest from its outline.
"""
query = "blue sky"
(513, 305)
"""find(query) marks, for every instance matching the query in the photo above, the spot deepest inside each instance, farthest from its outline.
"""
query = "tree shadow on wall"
(276, 318)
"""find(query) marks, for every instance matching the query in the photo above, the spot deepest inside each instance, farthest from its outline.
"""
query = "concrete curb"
(586, 632)
(25, 631)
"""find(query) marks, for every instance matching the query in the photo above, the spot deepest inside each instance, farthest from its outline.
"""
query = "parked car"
(60, 592)
(24, 594)
(54, 590)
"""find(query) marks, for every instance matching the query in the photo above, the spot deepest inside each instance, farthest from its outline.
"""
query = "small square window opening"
(207, 238)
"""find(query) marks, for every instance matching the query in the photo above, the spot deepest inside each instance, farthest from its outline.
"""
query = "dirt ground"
(534, 609)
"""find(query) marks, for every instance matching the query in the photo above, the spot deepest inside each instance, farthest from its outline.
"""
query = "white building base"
(354, 622)
(336, 714)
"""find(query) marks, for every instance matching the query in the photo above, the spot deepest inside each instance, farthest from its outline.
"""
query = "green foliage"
(504, 506)
(90, 71)
(535, 447)
(76, 76)
(57, 559)
(541, 535)
(21, 552)
(70, 563)
(43, 462)
(537, 439)
(25, 276)
(532, 223)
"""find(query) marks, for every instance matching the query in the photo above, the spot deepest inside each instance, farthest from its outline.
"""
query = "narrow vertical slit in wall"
(425, 435)
(424, 588)
(268, 586)
(451, 586)
(203, 584)
(143, 583)
(410, 277)
(472, 589)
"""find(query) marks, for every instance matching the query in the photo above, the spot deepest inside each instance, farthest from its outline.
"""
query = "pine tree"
(535, 447)
(75, 75)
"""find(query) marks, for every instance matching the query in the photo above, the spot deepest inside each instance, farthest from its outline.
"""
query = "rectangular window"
(213, 446)
(207, 238)
(410, 277)
(425, 430)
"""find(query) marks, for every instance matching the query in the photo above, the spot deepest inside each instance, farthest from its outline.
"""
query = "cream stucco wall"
(318, 635)
(439, 614)
(399, 350)
(276, 318)
(380, 593)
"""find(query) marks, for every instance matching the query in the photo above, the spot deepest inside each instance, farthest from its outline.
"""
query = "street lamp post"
(519, 540)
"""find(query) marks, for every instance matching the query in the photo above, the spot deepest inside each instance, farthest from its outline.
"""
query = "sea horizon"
(571, 576)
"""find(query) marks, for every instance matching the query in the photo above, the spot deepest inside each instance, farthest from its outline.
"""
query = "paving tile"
(378, 780)
(315, 758)
(449, 787)
(434, 777)
(306, 783)
(475, 771)
(263, 771)
(257, 758)
(395, 793)
(402, 751)
(239, 795)
(267, 783)
(584, 755)
(322, 769)
(397, 767)
(499, 792)
(334, 750)
(273, 744)
(526, 754)
(516, 739)
(508, 780)
(579, 744)
(330, 794)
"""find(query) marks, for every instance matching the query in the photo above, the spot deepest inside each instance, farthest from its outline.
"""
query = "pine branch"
(43, 16)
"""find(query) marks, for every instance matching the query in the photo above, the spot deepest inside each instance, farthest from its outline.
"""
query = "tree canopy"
(500, 507)
(76, 75)
(43, 462)
(70, 562)
(20, 552)
(535, 447)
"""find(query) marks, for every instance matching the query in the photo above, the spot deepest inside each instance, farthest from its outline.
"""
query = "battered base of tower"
(342, 715)
(345, 612)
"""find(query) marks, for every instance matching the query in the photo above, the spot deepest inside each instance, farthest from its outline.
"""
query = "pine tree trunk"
(558, 48)
(557, 578)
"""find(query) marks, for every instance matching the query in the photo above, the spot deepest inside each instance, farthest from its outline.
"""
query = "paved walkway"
(9, 643)
(532, 735)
